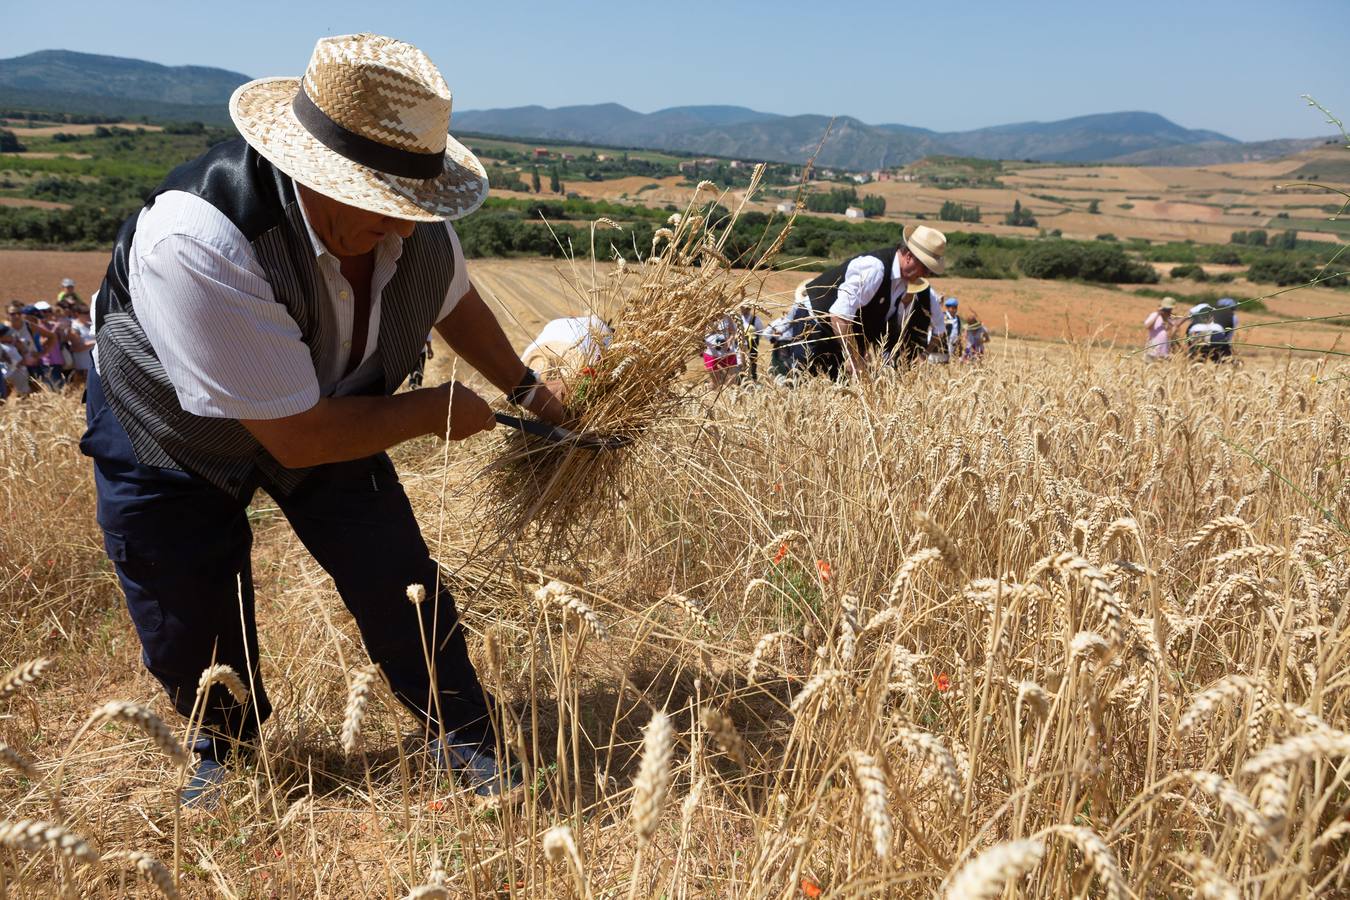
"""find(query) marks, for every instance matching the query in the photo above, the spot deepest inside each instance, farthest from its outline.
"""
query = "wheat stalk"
(31, 835)
(652, 782)
(23, 675)
(985, 876)
(358, 696)
(872, 790)
(561, 849)
(225, 675)
(147, 867)
(160, 734)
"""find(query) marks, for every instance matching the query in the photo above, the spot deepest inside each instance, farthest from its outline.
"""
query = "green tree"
(1094, 207)
(534, 180)
(9, 143)
(555, 182)
(1020, 217)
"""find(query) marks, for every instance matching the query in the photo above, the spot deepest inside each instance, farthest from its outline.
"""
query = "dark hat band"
(362, 150)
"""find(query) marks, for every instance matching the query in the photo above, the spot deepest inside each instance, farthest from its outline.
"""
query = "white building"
(853, 212)
(787, 206)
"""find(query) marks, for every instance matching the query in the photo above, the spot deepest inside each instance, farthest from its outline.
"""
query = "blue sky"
(1237, 66)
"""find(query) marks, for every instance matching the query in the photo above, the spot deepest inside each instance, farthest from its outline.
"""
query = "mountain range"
(74, 82)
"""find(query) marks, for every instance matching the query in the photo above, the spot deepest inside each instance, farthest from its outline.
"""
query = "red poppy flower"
(824, 569)
(778, 487)
(588, 371)
(782, 552)
(943, 682)
(436, 806)
(810, 888)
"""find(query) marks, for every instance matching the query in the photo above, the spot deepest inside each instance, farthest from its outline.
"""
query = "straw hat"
(928, 244)
(366, 125)
(917, 286)
(1167, 303)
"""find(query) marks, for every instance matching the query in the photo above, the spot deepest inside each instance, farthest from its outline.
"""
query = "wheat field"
(1059, 625)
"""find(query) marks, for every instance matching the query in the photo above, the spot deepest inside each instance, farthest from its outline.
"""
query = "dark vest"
(260, 201)
(874, 326)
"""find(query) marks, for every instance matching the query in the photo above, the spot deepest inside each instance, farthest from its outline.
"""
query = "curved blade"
(559, 435)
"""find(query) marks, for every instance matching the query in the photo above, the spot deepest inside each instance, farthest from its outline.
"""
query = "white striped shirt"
(228, 347)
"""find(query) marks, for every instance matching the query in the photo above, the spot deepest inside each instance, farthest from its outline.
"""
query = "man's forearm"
(337, 429)
(844, 330)
(474, 333)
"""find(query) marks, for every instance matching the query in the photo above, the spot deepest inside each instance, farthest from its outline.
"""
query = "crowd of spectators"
(46, 346)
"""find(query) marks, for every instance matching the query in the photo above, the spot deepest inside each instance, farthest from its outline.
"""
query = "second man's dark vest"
(260, 201)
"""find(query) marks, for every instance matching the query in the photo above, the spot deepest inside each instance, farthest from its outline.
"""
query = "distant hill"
(66, 81)
(88, 83)
(1209, 153)
(736, 131)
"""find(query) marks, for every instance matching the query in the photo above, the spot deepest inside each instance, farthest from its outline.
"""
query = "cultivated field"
(1117, 639)
(1060, 624)
(529, 292)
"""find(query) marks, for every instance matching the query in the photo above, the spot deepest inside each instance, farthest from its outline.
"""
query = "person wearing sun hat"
(67, 293)
(257, 317)
(1162, 330)
(861, 304)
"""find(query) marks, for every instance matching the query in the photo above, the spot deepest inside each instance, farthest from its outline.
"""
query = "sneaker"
(202, 788)
(477, 767)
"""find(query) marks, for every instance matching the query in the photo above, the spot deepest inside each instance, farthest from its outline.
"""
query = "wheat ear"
(984, 877)
(561, 848)
(150, 724)
(1297, 749)
(149, 868)
(358, 696)
(31, 835)
(1099, 856)
(23, 675)
(18, 762)
(226, 675)
(653, 777)
(872, 790)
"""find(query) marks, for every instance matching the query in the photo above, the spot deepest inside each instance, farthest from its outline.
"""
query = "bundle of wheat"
(659, 307)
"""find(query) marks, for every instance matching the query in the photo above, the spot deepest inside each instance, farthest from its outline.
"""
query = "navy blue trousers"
(181, 547)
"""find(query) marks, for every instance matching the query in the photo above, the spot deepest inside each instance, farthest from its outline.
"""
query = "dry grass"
(1108, 659)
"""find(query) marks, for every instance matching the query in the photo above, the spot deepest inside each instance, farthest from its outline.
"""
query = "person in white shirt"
(1201, 332)
(565, 346)
(10, 362)
(859, 305)
(255, 323)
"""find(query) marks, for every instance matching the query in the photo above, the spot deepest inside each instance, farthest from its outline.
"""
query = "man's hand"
(546, 404)
(469, 413)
